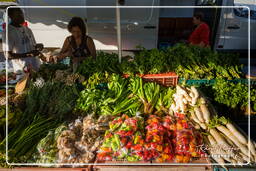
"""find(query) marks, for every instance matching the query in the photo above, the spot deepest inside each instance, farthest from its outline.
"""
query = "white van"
(148, 27)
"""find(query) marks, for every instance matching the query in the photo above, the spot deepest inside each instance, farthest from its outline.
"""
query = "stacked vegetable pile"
(232, 145)
(164, 139)
(128, 119)
(189, 62)
(123, 141)
(79, 143)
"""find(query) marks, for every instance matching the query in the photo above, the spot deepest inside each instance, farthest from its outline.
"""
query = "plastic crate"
(165, 79)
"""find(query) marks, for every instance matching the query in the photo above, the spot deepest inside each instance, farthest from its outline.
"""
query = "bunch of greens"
(46, 108)
(96, 79)
(233, 94)
(112, 101)
(22, 140)
(104, 63)
(47, 71)
(189, 62)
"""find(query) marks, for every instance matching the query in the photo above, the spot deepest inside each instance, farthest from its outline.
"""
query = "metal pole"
(118, 27)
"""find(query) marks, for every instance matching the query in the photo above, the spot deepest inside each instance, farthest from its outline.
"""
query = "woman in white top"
(21, 46)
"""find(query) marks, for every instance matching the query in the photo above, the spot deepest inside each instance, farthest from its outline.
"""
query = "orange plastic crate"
(165, 79)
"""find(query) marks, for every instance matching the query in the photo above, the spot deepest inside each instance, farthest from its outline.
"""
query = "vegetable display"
(100, 115)
(79, 143)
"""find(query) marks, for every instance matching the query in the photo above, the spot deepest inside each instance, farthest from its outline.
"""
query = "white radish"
(191, 95)
(197, 127)
(193, 116)
(202, 125)
(183, 92)
(196, 95)
(230, 135)
(236, 133)
(252, 148)
(173, 107)
(199, 114)
(217, 136)
(224, 154)
(202, 100)
(185, 101)
(245, 157)
(206, 113)
(194, 90)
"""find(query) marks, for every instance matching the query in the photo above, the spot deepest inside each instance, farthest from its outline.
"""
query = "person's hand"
(39, 46)
(53, 59)
(35, 52)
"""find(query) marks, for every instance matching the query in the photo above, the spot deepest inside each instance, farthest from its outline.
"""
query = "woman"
(200, 36)
(78, 46)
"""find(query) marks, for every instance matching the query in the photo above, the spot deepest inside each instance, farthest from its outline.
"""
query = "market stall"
(142, 111)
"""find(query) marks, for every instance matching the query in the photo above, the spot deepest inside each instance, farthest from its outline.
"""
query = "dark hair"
(11, 11)
(77, 22)
(199, 16)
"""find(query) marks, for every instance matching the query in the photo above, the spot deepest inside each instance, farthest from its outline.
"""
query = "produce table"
(97, 114)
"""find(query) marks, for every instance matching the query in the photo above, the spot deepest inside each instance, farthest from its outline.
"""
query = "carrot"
(205, 112)
(199, 114)
(236, 133)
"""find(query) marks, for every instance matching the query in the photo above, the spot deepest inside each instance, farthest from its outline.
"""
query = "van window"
(243, 12)
(206, 2)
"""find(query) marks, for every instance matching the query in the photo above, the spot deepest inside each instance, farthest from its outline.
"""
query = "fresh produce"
(189, 62)
(47, 147)
(47, 71)
(191, 101)
(115, 100)
(165, 139)
(25, 143)
(234, 95)
(158, 140)
(231, 142)
(104, 63)
(187, 141)
(123, 141)
(79, 143)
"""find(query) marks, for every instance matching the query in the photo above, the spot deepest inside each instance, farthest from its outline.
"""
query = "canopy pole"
(118, 27)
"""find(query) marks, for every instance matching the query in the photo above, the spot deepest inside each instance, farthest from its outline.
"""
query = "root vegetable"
(173, 107)
(205, 112)
(203, 125)
(223, 154)
(202, 100)
(193, 116)
(183, 92)
(252, 148)
(230, 135)
(196, 95)
(199, 114)
(217, 136)
(236, 133)
(191, 95)
(185, 101)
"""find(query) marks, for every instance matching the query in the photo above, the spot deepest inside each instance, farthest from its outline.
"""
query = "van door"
(234, 35)
(138, 25)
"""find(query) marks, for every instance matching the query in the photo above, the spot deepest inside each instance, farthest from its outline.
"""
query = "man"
(21, 49)
(200, 36)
